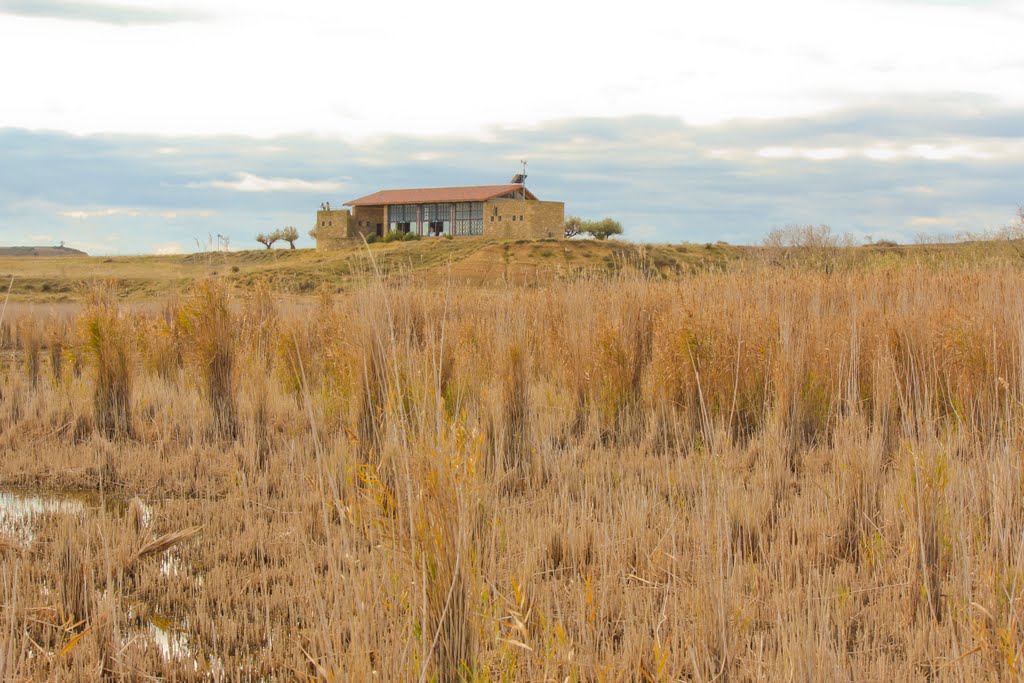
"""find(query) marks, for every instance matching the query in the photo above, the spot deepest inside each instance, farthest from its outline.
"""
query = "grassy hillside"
(466, 260)
(474, 261)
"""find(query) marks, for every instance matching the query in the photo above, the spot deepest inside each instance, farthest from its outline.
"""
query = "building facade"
(496, 211)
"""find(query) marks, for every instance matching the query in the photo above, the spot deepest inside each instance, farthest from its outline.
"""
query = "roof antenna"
(520, 178)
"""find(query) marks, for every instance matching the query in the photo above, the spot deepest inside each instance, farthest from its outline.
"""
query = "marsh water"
(22, 510)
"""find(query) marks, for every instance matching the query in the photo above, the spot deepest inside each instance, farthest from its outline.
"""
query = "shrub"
(30, 341)
(107, 332)
(209, 324)
(55, 343)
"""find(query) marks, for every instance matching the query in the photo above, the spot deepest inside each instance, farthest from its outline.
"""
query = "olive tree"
(268, 240)
(603, 229)
(573, 226)
(288, 234)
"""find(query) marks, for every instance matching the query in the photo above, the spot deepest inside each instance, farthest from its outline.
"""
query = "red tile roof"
(435, 195)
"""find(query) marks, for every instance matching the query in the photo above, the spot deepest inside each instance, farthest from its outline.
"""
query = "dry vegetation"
(474, 261)
(777, 474)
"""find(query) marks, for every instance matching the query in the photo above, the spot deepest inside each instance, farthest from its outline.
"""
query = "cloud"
(107, 212)
(98, 12)
(692, 61)
(247, 182)
(870, 170)
(932, 221)
(168, 248)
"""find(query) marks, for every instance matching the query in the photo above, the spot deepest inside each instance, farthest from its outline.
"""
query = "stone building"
(496, 211)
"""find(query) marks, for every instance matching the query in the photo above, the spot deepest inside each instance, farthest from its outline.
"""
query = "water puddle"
(173, 642)
(23, 510)
(19, 510)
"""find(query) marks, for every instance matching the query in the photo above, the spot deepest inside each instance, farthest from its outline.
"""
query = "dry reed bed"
(768, 474)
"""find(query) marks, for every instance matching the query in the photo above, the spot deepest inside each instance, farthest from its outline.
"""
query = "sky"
(152, 126)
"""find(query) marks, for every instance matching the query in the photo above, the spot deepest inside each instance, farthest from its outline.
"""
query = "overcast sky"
(142, 126)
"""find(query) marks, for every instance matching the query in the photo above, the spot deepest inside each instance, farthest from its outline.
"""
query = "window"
(402, 217)
(437, 219)
(469, 218)
(513, 218)
(323, 224)
(520, 216)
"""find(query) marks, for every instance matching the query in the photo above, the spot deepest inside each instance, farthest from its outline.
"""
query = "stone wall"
(332, 228)
(524, 219)
(340, 227)
(365, 220)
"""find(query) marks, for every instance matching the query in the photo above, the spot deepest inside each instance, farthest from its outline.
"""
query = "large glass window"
(469, 218)
(464, 218)
(437, 219)
(402, 217)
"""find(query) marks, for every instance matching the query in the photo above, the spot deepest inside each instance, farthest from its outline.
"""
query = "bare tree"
(811, 245)
(1013, 234)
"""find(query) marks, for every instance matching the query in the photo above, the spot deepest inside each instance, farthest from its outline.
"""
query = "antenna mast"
(523, 162)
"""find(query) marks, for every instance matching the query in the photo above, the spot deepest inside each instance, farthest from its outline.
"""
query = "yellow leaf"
(72, 643)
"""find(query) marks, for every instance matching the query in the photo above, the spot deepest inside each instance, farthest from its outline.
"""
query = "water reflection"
(19, 509)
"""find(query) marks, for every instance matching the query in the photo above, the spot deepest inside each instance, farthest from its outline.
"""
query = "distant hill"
(40, 251)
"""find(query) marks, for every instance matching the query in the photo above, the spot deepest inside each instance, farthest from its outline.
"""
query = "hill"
(40, 251)
(466, 260)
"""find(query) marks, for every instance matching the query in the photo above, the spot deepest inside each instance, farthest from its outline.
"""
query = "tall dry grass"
(767, 474)
(106, 333)
(209, 329)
